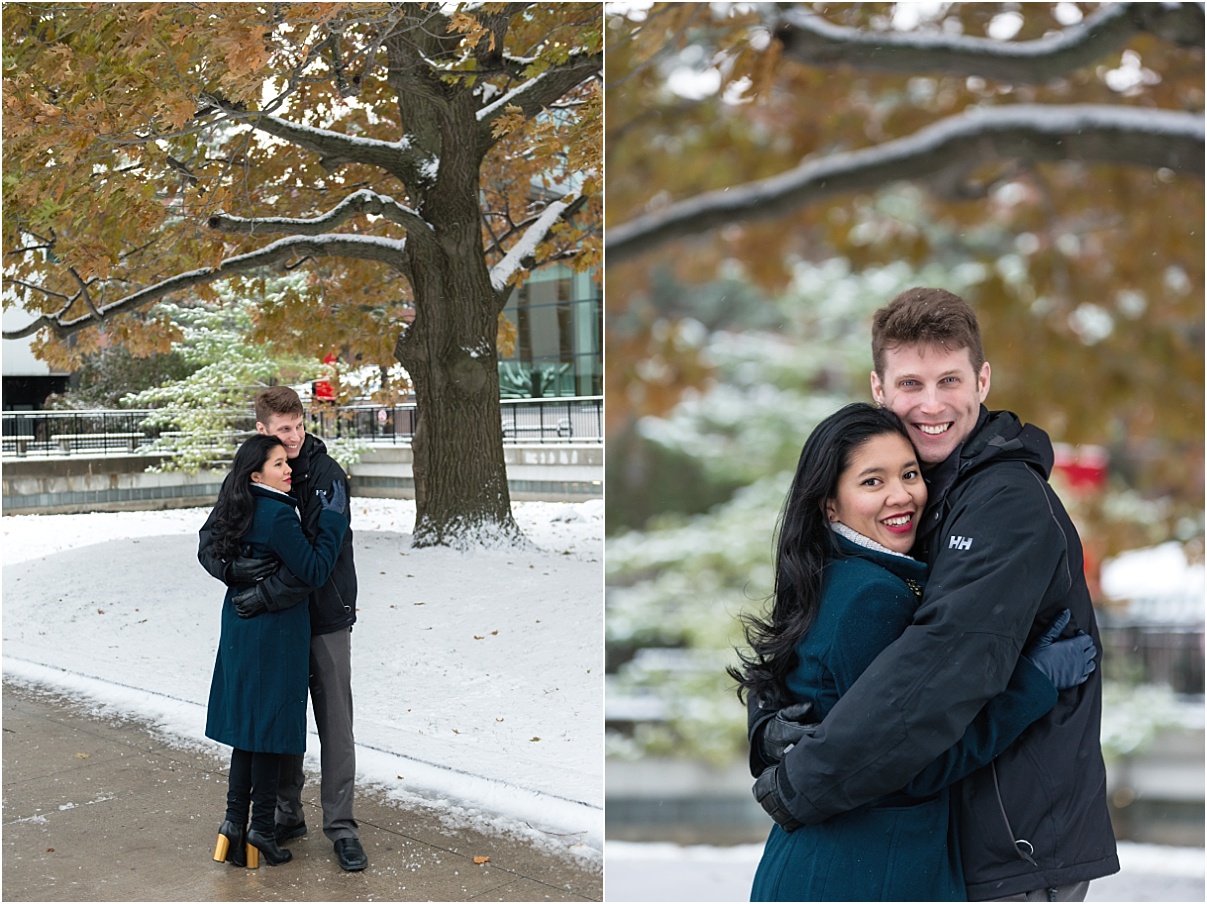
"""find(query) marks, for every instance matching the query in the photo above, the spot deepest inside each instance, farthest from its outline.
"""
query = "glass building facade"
(558, 316)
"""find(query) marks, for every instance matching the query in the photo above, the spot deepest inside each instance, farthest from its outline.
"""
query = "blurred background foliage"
(725, 348)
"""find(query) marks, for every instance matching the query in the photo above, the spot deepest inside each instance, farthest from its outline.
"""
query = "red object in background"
(1082, 467)
(324, 391)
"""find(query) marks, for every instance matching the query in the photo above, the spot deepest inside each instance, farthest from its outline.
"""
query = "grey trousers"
(1063, 893)
(331, 697)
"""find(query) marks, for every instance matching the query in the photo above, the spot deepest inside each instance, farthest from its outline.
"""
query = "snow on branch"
(363, 201)
(1086, 132)
(808, 38)
(539, 91)
(386, 251)
(501, 273)
(335, 149)
(494, 108)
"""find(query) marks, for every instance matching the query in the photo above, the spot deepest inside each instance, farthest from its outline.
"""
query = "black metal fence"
(46, 433)
(568, 419)
(1168, 655)
(66, 432)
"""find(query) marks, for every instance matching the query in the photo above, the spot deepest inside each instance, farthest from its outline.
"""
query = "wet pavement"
(100, 808)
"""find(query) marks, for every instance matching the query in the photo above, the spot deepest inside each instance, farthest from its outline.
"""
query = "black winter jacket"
(1005, 559)
(332, 606)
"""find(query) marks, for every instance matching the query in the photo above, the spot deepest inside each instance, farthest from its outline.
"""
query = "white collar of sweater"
(860, 540)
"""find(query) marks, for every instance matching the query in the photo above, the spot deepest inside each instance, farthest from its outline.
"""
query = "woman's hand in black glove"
(250, 602)
(248, 570)
(788, 726)
(770, 795)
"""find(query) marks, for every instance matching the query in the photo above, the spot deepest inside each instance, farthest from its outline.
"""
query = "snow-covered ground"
(670, 872)
(478, 676)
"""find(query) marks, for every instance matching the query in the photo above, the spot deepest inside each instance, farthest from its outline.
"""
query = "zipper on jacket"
(1024, 847)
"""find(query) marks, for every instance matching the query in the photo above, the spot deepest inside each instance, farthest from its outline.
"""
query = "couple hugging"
(924, 700)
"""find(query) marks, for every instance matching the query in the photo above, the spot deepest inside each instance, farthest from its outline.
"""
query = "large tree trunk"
(450, 353)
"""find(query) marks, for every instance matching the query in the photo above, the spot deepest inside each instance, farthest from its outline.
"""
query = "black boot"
(231, 846)
(259, 843)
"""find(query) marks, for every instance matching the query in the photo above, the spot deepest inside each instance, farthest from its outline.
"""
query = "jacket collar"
(269, 493)
(902, 566)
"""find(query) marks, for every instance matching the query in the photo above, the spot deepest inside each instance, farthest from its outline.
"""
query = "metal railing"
(46, 433)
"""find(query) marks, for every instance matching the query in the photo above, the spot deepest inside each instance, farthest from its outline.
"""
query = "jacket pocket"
(987, 835)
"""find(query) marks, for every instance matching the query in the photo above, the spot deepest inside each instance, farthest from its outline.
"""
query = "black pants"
(253, 785)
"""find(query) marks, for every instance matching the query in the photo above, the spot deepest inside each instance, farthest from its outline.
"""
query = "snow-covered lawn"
(478, 677)
(670, 872)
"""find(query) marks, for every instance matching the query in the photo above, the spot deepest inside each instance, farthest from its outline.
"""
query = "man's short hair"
(929, 317)
(278, 400)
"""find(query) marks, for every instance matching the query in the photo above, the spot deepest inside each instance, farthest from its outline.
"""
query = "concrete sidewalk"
(102, 809)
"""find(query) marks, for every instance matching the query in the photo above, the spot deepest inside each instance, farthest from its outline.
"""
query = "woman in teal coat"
(845, 589)
(257, 700)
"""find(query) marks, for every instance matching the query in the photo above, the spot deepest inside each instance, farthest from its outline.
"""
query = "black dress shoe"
(351, 855)
(287, 833)
(260, 843)
(231, 846)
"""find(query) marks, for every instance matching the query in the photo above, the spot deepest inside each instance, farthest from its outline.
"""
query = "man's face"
(288, 427)
(935, 392)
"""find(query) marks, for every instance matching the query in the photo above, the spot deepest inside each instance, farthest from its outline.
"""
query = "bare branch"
(1086, 132)
(96, 315)
(808, 38)
(362, 202)
(386, 251)
(27, 248)
(33, 287)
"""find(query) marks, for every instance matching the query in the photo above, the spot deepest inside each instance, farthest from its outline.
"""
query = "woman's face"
(880, 493)
(276, 471)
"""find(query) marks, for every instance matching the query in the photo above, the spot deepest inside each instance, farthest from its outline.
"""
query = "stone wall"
(112, 483)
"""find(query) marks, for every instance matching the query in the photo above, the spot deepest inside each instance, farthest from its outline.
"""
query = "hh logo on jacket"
(959, 542)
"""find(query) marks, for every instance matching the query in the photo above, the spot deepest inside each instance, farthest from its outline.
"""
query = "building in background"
(27, 381)
(558, 315)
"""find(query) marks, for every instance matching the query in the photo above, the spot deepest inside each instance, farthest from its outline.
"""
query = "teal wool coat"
(902, 847)
(261, 674)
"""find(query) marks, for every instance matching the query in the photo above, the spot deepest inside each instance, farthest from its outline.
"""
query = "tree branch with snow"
(363, 201)
(386, 251)
(538, 92)
(336, 149)
(810, 39)
(1087, 133)
(502, 272)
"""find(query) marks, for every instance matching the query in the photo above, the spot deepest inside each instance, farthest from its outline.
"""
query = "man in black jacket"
(279, 413)
(1005, 559)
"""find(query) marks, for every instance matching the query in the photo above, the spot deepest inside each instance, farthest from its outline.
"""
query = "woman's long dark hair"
(236, 505)
(805, 542)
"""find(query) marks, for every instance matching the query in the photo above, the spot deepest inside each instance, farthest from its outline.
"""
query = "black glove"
(248, 570)
(770, 796)
(250, 602)
(338, 502)
(1068, 662)
(788, 726)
